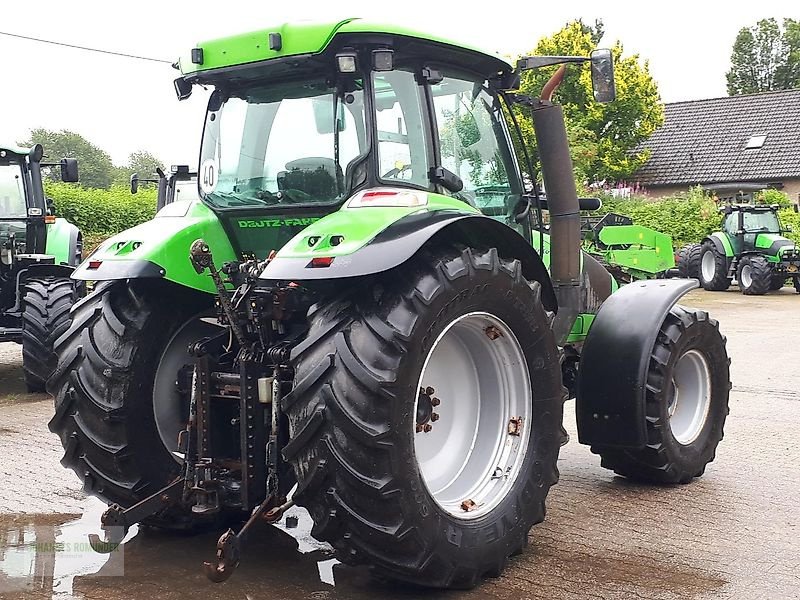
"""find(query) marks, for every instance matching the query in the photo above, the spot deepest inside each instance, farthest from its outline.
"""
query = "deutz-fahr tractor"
(38, 253)
(751, 249)
(336, 324)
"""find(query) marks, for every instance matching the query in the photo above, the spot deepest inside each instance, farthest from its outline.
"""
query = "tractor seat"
(314, 175)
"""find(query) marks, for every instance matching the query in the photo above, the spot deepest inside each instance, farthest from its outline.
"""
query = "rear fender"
(405, 237)
(62, 242)
(615, 360)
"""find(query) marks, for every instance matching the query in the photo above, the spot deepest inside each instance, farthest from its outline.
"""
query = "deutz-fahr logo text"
(258, 223)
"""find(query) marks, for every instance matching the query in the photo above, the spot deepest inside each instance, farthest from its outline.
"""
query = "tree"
(604, 137)
(141, 162)
(95, 166)
(765, 57)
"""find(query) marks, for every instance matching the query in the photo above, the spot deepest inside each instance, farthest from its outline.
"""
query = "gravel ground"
(732, 534)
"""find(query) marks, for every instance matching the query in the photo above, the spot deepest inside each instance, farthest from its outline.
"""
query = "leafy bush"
(686, 217)
(773, 197)
(101, 213)
(792, 219)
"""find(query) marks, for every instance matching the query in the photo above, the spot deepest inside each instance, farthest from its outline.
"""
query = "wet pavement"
(732, 534)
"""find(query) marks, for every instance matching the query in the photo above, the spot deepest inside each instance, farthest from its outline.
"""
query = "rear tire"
(687, 390)
(713, 269)
(104, 387)
(354, 410)
(45, 316)
(754, 275)
(777, 282)
(689, 261)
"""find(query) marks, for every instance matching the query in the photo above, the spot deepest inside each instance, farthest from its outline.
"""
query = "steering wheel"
(396, 171)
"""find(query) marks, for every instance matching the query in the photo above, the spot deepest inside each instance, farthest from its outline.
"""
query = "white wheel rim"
(708, 266)
(689, 397)
(746, 276)
(471, 455)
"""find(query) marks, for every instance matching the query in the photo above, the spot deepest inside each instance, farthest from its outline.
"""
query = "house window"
(755, 142)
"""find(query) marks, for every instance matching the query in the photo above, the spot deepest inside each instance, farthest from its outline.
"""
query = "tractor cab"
(744, 223)
(367, 112)
(179, 184)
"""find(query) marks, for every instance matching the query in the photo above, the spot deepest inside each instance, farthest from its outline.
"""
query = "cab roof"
(12, 148)
(309, 39)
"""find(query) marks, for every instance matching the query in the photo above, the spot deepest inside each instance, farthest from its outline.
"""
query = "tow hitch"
(231, 463)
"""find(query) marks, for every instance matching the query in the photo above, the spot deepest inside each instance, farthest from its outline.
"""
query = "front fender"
(62, 242)
(160, 248)
(610, 398)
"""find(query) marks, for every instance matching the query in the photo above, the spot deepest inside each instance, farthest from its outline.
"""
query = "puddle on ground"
(48, 556)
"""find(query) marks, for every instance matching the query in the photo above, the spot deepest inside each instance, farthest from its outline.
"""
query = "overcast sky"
(123, 105)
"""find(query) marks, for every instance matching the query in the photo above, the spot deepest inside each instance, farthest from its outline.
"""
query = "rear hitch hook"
(229, 550)
(114, 530)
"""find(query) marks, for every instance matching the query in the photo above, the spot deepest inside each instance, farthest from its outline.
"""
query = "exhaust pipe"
(562, 202)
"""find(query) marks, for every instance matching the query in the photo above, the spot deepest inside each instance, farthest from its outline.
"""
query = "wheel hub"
(689, 396)
(471, 446)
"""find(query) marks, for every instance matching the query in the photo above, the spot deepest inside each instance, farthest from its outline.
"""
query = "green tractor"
(358, 316)
(38, 253)
(751, 249)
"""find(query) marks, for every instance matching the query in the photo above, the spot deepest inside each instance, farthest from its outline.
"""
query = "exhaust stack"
(562, 201)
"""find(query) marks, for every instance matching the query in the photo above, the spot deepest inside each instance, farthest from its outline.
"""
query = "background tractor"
(179, 184)
(360, 315)
(750, 248)
(38, 253)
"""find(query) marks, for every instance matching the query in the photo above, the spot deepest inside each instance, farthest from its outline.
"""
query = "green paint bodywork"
(301, 39)
(358, 226)
(581, 328)
(638, 249)
(726, 243)
(165, 241)
(58, 241)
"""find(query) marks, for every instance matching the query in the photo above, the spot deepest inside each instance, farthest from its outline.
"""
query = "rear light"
(95, 264)
(384, 197)
(320, 262)
(50, 219)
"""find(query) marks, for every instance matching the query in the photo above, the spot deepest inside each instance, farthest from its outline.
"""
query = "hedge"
(687, 217)
(101, 213)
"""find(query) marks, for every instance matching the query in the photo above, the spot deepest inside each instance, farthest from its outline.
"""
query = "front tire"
(754, 275)
(105, 385)
(45, 316)
(362, 403)
(687, 390)
(713, 269)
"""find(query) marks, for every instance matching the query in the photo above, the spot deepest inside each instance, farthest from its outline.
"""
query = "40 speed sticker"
(209, 173)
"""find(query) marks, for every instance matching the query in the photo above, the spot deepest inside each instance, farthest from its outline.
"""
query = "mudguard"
(62, 242)
(405, 237)
(723, 247)
(614, 362)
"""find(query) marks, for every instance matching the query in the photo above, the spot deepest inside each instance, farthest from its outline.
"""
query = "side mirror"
(69, 170)
(134, 183)
(603, 76)
(183, 89)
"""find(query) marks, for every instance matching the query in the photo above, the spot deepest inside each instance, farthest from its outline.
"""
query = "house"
(732, 146)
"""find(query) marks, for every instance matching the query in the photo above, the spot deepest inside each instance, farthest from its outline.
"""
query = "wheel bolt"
(427, 427)
(435, 402)
(429, 391)
(434, 417)
(419, 428)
